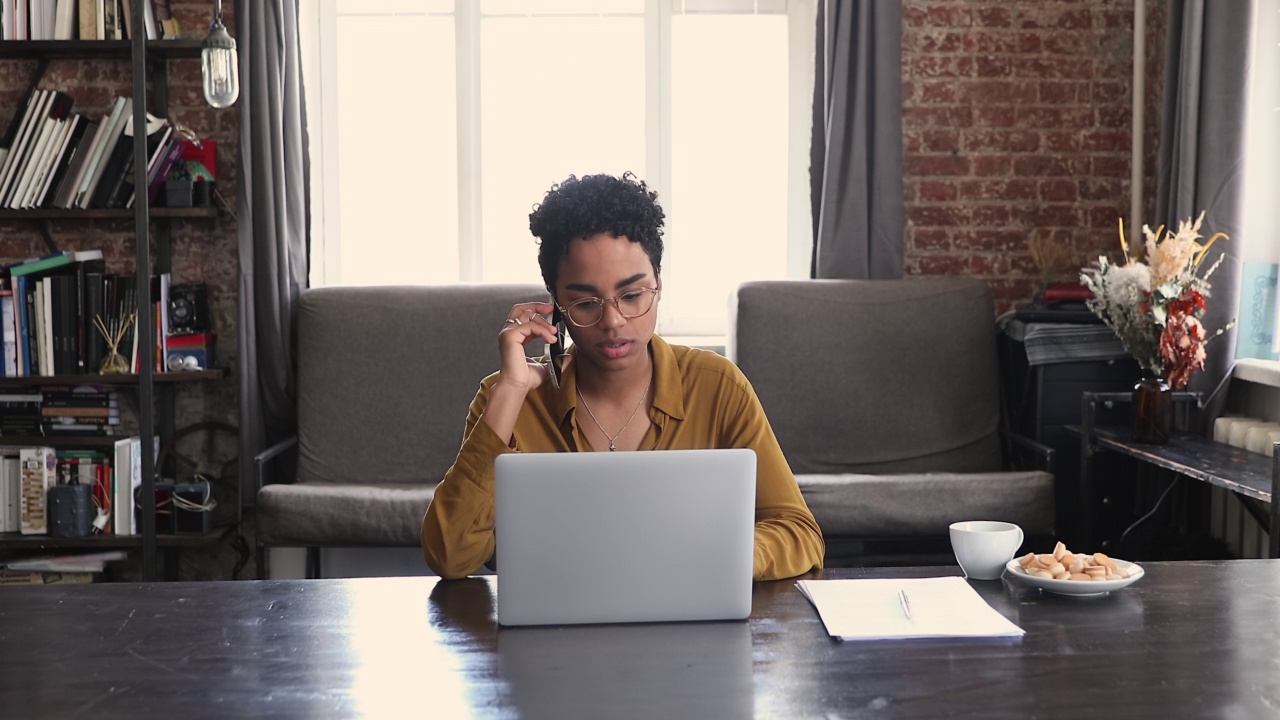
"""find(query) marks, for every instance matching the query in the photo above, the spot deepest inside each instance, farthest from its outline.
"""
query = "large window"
(1258, 334)
(436, 125)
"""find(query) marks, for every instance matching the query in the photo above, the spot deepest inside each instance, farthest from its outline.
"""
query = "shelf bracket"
(46, 233)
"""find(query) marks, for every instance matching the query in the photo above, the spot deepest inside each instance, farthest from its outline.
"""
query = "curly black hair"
(582, 207)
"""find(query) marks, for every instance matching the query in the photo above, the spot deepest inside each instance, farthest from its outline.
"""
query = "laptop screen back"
(644, 536)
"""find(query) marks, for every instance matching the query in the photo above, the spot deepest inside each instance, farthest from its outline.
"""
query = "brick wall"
(203, 250)
(1016, 121)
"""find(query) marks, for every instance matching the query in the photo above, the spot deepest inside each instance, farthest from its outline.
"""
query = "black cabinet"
(1042, 400)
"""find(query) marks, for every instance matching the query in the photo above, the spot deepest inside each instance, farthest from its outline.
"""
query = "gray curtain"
(1202, 150)
(856, 153)
(273, 222)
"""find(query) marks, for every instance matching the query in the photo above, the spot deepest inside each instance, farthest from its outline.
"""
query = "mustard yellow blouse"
(701, 401)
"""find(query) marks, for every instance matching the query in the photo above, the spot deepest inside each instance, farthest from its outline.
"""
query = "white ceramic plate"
(1075, 587)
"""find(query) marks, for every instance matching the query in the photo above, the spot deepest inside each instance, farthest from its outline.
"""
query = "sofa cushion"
(386, 374)
(925, 504)
(873, 376)
(338, 515)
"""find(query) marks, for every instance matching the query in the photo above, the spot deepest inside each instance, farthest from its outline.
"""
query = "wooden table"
(1189, 640)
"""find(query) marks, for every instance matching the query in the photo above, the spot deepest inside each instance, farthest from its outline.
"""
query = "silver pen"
(906, 604)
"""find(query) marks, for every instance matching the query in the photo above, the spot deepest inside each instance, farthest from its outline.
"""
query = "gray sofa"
(883, 396)
(885, 399)
(385, 377)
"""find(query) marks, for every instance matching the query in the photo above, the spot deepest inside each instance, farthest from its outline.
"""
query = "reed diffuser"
(113, 331)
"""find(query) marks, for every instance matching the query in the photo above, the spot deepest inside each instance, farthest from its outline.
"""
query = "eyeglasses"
(632, 304)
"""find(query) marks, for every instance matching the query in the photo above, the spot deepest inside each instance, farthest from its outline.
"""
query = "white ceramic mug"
(983, 547)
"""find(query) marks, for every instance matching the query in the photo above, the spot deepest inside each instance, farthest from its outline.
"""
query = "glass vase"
(1152, 411)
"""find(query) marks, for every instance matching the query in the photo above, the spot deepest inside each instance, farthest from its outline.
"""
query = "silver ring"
(515, 321)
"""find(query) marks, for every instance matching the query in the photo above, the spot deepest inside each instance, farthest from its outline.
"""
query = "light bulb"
(219, 66)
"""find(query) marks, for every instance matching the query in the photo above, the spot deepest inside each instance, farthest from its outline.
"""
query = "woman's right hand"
(525, 323)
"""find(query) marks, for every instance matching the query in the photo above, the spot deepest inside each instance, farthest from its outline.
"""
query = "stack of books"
(52, 157)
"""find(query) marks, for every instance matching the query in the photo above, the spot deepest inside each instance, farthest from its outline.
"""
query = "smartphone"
(556, 349)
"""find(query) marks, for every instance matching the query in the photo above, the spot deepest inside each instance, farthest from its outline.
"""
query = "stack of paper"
(905, 608)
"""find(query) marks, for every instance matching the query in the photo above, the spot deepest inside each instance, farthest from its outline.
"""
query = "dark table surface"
(1189, 640)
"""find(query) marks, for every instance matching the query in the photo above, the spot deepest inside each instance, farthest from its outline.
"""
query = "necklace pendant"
(612, 447)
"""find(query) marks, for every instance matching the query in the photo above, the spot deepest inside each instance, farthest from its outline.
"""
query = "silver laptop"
(612, 537)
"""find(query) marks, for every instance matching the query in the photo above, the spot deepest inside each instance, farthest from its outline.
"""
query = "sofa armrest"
(1043, 453)
(261, 459)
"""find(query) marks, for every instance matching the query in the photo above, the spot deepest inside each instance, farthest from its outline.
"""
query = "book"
(127, 466)
(171, 155)
(70, 178)
(108, 133)
(88, 15)
(112, 28)
(35, 106)
(164, 19)
(94, 345)
(54, 119)
(9, 333)
(38, 475)
(95, 141)
(15, 121)
(70, 562)
(122, 485)
(117, 174)
(33, 577)
(157, 144)
(64, 23)
(7, 497)
(62, 156)
(52, 261)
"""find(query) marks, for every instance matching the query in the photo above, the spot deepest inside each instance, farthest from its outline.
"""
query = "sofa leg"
(313, 563)
(260, 561)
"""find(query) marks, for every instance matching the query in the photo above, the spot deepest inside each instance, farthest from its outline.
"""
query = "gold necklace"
(613, 447)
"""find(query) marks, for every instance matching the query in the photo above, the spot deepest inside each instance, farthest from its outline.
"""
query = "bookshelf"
(154, 390)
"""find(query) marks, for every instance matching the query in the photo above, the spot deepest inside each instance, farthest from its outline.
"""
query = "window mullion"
(470, 223)
(657, 23)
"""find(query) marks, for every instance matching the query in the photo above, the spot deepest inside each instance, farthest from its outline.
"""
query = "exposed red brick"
(1110, 166)
(1106, 140)
(937, 116)
(1065, 43)
(941, 265)
(1020, 141)
(1055, 118)
(949, 16)
(1058, 93)
(990, 215)
(923, 238)
(987, 239)
(1062, 142)
(991, 166)
(935, 165)
(998, 91)
(1100, 188)
(998, 189)
(936, 215)
(1049, 215)
(1059, 190)
(985, 41)
(988, 66)
(1049, 166)
(999, 17)
(995, 115)
(940, 140)
(931, 66)
(938, 190)
(941, 92)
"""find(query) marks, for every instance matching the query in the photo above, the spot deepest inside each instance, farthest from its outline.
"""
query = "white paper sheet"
(873, 609)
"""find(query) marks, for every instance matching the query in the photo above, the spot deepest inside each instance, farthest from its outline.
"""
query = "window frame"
(319, 21)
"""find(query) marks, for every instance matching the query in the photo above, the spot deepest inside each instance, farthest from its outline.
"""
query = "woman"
(623, 387)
